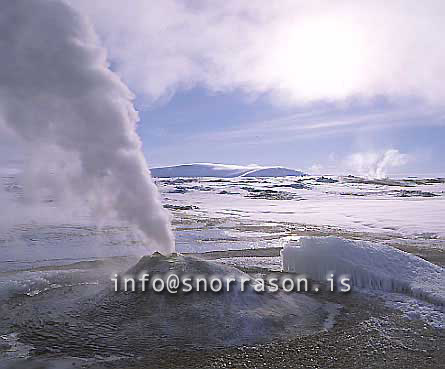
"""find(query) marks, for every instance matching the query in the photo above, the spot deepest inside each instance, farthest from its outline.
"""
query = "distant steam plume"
(75, 116)
(375, 165)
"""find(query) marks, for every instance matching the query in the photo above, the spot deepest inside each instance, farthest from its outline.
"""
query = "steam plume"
(375, 165)
(76, 117)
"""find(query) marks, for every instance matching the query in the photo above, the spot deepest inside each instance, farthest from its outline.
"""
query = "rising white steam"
(376, 165)
(75, 116)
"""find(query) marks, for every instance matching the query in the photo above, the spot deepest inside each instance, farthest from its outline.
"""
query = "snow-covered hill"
(273, 172)
(222, 171)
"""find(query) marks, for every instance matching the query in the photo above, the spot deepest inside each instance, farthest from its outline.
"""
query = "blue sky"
(299, 84)
(198, 125)
(321, 86)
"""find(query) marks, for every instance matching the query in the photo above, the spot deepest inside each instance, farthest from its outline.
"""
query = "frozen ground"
(218, 214)
(51, 257)
(413, 207)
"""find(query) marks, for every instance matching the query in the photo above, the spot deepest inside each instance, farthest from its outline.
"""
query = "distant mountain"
(273, 172)
(222, 171)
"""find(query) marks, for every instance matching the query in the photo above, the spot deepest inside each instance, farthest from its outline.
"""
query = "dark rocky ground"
(366, 334)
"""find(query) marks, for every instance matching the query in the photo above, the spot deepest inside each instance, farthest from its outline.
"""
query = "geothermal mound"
(120, 322)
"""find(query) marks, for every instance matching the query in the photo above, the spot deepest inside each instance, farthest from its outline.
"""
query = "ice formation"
(369, 265)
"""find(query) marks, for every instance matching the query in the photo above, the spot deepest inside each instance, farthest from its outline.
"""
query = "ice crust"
(369, 265)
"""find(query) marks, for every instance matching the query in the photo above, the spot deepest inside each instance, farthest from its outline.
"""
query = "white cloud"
(314, 123)
(297, 51)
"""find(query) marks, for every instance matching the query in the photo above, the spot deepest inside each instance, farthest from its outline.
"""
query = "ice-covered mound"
(221, 171)
(369, 265)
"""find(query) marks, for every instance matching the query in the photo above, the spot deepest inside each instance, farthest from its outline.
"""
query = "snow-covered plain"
(211, 214)
(388, 212)
(238, 212)
(403, 207)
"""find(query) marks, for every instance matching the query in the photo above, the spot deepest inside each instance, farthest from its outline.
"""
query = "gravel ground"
(366, 335)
